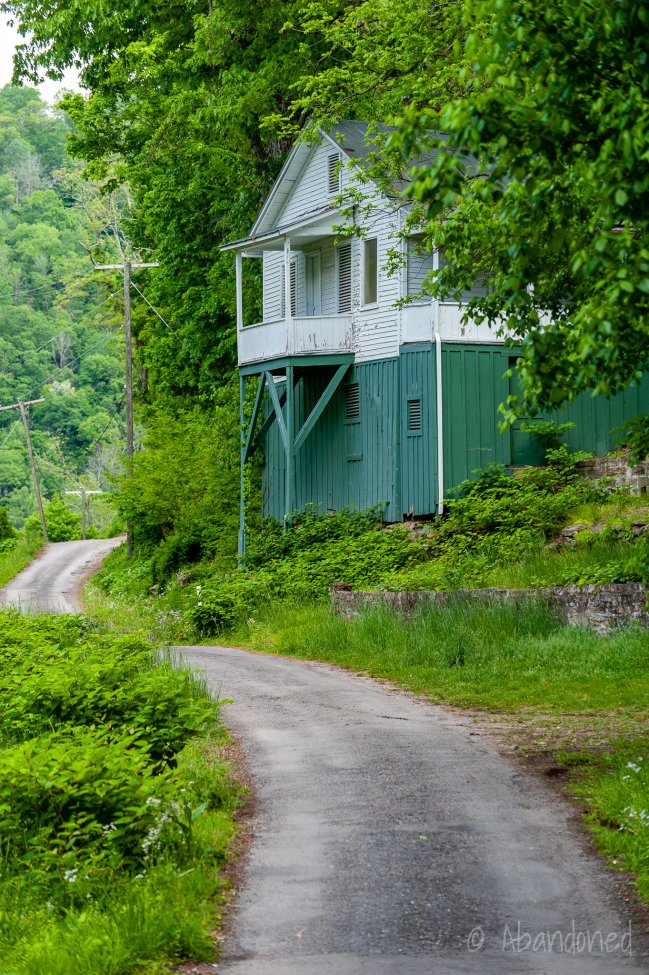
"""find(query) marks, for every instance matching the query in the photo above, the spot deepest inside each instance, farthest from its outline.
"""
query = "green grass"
(116, 804)
(557, 567)
(502, 657)
(551, 689)
(615, 785)
(14, 561)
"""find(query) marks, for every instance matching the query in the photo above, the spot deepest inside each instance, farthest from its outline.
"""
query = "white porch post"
(239, 276)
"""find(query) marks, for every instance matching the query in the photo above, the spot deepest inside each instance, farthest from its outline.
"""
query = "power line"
(155, 311)
(15, 424)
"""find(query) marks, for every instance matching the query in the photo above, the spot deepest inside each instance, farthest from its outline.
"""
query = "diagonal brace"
(253, 419)
(320, 406)
(268, 422)
(277, 409)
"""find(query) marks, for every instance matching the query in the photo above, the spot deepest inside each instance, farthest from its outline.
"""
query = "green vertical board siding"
(595, 417)
(418, 447)
(473, 386)
(377, 459)
(341, 463)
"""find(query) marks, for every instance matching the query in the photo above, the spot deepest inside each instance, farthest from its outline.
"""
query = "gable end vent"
(414, 415)
(333, 173)
(352, 401)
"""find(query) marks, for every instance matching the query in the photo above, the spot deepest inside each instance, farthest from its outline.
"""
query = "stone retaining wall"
(616, 473)
(602, 607)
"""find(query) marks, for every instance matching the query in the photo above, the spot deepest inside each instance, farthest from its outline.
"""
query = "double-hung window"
(370, 271)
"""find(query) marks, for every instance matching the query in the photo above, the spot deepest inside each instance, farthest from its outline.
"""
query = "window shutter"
(478, 289)
(414, 415)
(293, 291)
(352, 401)
(333, 173)
(345, 277)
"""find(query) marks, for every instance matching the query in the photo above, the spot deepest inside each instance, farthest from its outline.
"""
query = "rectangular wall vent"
(333, 173)
(414, 415)
(352, 401)
(345, 277)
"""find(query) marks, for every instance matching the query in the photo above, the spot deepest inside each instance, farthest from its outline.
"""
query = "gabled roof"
(348, 136)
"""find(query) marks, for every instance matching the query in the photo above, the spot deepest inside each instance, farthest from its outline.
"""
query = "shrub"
(305, 574)
(126, 694)
(7, 533)
(76, 796)
(63, 525)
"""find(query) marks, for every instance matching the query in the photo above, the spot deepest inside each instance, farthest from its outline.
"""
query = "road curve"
(393, 841)
(52, 582)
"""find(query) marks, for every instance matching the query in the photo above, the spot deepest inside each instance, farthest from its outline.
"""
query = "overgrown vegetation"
(115, 803)
(17, 557)
(500, 530)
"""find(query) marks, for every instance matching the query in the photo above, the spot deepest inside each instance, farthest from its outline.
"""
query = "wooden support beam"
(320, 407)
(239, 290)
(289, 445)
(268, 422)
(253, 419)
(241, 550)
(270, 383)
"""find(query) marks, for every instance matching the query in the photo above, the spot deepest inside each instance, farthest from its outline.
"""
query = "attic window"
(414, 415)
(333, 173)
(352, 401)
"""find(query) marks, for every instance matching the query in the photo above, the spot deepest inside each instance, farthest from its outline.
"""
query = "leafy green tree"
(179, 95)
(6, 528)
(545, 191)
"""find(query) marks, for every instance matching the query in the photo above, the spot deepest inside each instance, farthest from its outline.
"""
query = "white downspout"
(439, 397)
(440, 423)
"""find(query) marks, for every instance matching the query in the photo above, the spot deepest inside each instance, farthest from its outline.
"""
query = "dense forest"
(59, 325)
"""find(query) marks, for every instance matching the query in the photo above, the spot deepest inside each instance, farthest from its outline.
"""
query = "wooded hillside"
(59, 326)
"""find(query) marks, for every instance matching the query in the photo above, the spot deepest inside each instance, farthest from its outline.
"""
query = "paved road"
(391, 840)
(388, 833)
(51, 584)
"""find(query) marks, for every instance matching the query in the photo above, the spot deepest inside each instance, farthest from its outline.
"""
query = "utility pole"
(126, 268)
(83, 494)
(20, 405)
